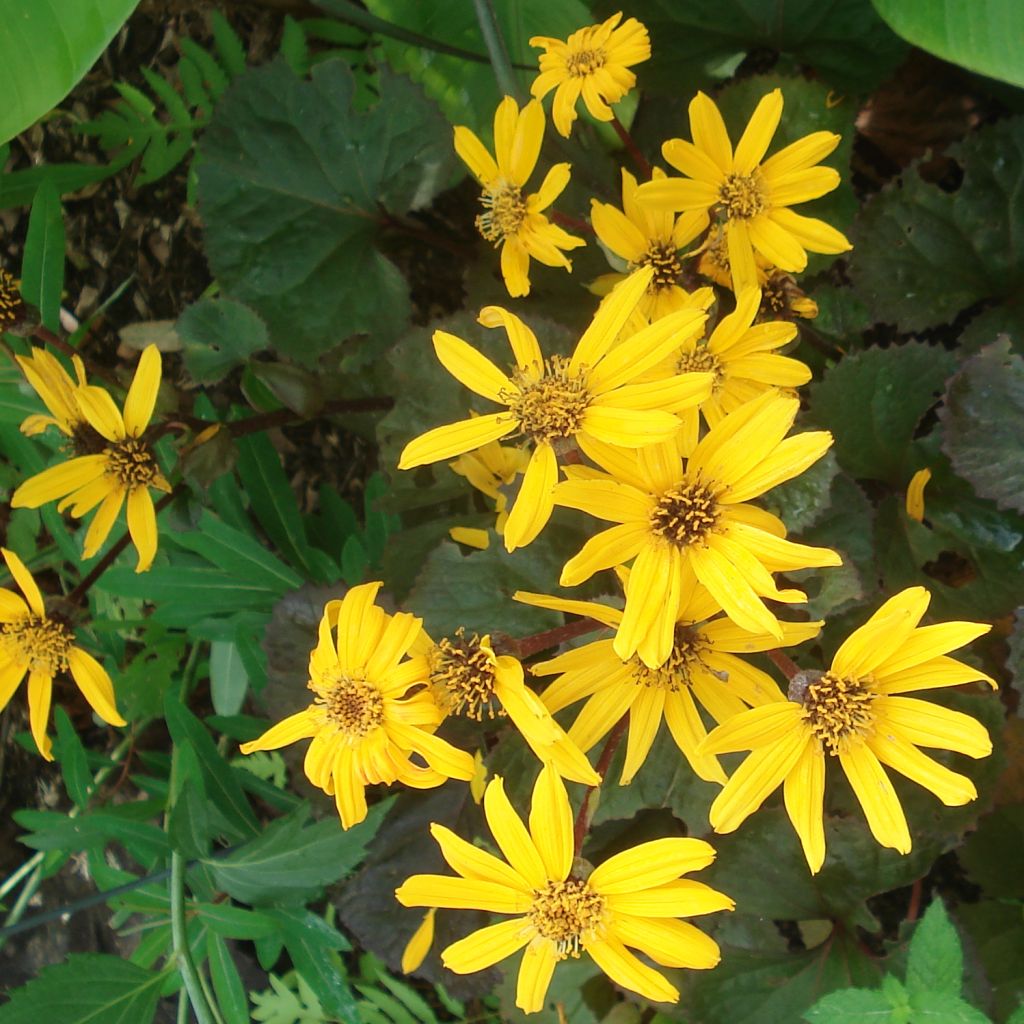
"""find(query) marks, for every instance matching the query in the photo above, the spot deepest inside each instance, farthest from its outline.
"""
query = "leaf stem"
(179, 939)
(589, 805)
(642, 163)
(496, 50)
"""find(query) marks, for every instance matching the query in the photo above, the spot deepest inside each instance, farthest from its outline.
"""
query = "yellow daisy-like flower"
(702, 668)
(680, 517)
(857, 712)
(649, 238)
(743, 358)
(365, 727)
(51, 383)
(633, 899)
(44, 646)
(468, 679)
(593, 63)
(511, 219)
(751, 194)
(112, 462)
(490, 469)
(556, 401)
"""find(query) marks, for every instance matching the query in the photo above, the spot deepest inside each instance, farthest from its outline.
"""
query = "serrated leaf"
(88, 988)
(844, 40)
(935, 961)
(921, 254)
(981, 418)
(979, 35)
(291, 184)
(851, 1006)
(872, 401)
(217, 335)
(70, 754)
(233, 922)
(941, 1008)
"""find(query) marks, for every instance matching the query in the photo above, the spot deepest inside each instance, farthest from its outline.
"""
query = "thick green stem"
(496, 50)
(205, 1014)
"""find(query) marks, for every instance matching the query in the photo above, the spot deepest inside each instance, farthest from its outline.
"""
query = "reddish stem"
(589, 805)
(783, 663)
(914, 907)
(565, 220)
(642, 164)
(537, 642)
(45, 335)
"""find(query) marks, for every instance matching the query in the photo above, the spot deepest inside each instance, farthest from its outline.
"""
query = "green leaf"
(217, 335)
(74, 765)
(227, 984)
(851, 1006)
(54, 831)
(42, 268)
(844, 40)
(986, 851)
(941, 1008)
(803, 501)
(996, 930)
(229, 682)
(47, 46)
(980, 35)
(222, 787)
(289, 861)
(872, 401)
(981, 419)
(292, 183)
(233, 922)
(935, 961)
(188, 820)
(922, 254)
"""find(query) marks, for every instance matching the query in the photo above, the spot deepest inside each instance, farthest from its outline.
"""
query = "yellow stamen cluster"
(742, 196)
(131, 461)
(462, 674)
(353, 705)
(685, 515)
(41, 641)
(674, 674)
(552, 407)
(584, 63)
(12, 307)
(566, 912)
(700, 360)
(664, 261)
(836, 708)
(504, 212)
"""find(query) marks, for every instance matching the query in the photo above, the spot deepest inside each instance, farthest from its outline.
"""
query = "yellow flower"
(633, 899)
(363, 724)
(856, 712)
(491, 468)
(783, 299)
(468, 679)
(556, 401)
(677, 517)
(752, 194)
(51, 382)
(33, 642)
(112, 462)
(915, 494)
(593, 62)
(511, 219)
(648, 238)
(743, 358)
(702, 667)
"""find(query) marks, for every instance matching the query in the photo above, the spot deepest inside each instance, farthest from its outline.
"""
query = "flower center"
(12, 307)
(675, 673)
(700, 360)
(567, 913)
(44, 643)
(131, 462)
(355, 706)
(837, 709)
(585, 62)
(743, 196)
(504, 212)
(462, 673)
(685, 515)
(664, 261)
(552, 407)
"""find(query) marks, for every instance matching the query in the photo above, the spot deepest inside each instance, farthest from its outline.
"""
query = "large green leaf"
(88, 988)
(294, 187)
(46, 46)
(980, 35)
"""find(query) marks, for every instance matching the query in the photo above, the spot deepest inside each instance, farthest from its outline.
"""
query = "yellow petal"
(55, 482)
(551, 188)
(101, 412)
(629, 428)
(605, 498)
(625, 969)
(349, 792)
(694, 163)
(521, 157)
(709, 132)
(92, 679)
(456, 438)
(473, 153)
(776, 244)
(650, 864)
(591, 609)
(877, 797)
(758, 727)
(535, 501)
(788, 460)
(535, 971)
(668, 943)
(607, 549)
(915, 494)
(299, 726)
(397, 638)
(929, 642)
(461, 894)
(511, 835)
(417, 948)
(759, 132)
(680, 898)
(930, 725)
(930, 675)
(950, 787)
(103, 522)
(141, 398)
(800, 154)
(12, 607)
(647, 604)
(486, 947)
(520, 337)
(40, 690)
(802, 186)
(440, 755)
(644, 721)
(515, 267)
(814, 235)
(142, 526)
(688, 732)
(551, 824)
(882, 635)
(11, 675)
(471, 368)
(730, 588)
(472, 862)
(25, 582)
(611, 317)
(601, 712)
(804, 794)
